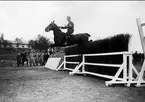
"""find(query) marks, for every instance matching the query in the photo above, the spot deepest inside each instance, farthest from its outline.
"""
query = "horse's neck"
(57, 31)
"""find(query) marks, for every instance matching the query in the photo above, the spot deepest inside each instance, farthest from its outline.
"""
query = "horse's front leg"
(58, 42)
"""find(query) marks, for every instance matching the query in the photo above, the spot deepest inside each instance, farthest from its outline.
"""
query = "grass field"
(37, 84)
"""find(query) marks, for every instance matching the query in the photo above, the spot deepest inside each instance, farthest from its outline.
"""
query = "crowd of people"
(33, 58)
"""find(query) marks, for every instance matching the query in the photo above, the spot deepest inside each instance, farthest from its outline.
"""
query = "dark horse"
(59, 36)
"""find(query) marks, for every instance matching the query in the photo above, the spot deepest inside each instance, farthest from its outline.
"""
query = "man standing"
(46, 56)
(69, 27)
(24, 57)
(18, 57)
(50, 51)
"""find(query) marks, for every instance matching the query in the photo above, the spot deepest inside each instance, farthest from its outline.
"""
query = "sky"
(101, 19)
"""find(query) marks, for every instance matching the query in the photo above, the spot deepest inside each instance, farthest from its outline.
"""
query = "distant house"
(13, 44)
(16, 46)
(21, 46)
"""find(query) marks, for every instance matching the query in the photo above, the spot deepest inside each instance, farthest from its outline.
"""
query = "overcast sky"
(27, 19)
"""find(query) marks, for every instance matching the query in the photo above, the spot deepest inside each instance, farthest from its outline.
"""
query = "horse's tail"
(88, 34)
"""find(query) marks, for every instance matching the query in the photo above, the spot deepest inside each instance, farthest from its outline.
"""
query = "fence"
(127, 72)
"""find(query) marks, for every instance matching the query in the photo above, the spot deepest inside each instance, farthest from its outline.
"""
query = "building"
(13, 44)
(21, 46)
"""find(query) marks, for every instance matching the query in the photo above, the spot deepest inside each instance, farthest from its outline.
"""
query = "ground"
(38, 84)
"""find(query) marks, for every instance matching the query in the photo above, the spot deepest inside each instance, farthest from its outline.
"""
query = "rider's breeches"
(68, 33)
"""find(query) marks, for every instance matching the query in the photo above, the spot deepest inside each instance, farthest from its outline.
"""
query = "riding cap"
(69, 17)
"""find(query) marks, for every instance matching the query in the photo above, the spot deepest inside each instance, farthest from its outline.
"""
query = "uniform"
(70, 29)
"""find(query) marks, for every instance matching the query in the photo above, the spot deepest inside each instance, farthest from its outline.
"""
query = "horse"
(60, 37)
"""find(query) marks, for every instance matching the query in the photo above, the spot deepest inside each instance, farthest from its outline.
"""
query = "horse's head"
(51, 26)
(59, 36)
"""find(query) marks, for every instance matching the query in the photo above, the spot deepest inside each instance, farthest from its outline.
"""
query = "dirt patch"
(44, 85)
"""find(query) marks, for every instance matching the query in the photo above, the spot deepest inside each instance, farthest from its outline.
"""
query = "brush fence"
(130, 74)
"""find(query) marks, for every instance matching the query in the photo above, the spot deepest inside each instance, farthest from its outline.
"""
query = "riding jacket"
(69, 27)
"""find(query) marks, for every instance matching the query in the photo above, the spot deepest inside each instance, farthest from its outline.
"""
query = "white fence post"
(125, 67)
(83, 66)
(64, 62)
(142, 38)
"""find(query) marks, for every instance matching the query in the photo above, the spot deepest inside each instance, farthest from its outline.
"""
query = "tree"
(18, 41)
(32, 43)
(1, 40)
(7, 44)
(2, 37)
(40, 43)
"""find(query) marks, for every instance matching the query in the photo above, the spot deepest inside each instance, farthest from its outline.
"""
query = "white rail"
(107, 65)
(72, 55)
(105, 54)
(68, 62)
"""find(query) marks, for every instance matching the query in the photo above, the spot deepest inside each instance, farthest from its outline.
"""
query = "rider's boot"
(66, 43)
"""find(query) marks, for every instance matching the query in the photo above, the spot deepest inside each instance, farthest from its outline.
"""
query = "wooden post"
(140, 78)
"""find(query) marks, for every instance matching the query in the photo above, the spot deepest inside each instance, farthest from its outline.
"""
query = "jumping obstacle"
(52, 63)
(65, 62)
(142, 38)
(130, 73)
(127, 78)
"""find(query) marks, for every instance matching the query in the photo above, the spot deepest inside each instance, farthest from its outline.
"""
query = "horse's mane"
(57, 28)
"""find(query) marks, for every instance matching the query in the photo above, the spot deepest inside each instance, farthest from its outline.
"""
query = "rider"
(69, 27)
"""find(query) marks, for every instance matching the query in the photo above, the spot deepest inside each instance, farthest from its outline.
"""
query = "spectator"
(46, 56)
(36, 59)
(51, 51)
(42, 56)
(32, 58)
(24, 57)
(18, 57)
